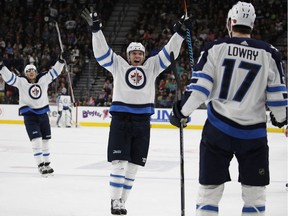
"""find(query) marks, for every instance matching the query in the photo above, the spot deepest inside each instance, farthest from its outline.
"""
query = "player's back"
(241, 69)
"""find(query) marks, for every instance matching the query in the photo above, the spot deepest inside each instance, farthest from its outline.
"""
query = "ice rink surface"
(80, 186)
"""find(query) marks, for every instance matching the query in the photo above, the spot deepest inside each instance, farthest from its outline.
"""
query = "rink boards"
(99, 116)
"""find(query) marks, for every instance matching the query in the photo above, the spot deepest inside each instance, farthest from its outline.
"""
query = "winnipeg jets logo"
(136, 78)
(35, 91)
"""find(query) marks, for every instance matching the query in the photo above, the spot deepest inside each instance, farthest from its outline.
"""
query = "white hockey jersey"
(238, 77)
(64, 102)
(33, 97)
(134, 87)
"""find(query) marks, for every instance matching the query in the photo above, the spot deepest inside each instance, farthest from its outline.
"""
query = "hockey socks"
(37, 149)
(121, 181)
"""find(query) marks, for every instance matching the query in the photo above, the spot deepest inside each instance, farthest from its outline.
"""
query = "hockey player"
(34, 105)
(132, 105)
(236, 77)
(64, 109)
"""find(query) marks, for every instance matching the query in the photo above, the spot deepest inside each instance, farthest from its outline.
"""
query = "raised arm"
(173, 45)
(104, 55)
(9, 77)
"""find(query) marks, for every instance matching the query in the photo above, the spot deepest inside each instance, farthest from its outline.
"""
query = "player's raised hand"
(64, 57)
(92, 19)
(182, 25)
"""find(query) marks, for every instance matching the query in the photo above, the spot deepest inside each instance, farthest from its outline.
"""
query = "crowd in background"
(27, 37)
(154, 27)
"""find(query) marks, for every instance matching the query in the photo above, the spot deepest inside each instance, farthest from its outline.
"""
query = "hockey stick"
(66, 67)
(53, 14)
(189, 40)
(179, 94)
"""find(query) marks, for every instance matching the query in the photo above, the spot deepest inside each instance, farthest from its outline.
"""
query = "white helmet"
(241, 13)
(29, 67)
(135, 46)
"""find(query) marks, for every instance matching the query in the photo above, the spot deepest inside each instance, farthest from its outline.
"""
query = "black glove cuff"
(97, 25)
(182, 25)
(276, 123)
(177, 110)
(180, 29)
(61, 60)
(176, 116)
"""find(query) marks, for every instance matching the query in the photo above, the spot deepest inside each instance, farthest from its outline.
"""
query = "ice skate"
(49, 170)
(42, 169)
(122, 207)
(115, 207)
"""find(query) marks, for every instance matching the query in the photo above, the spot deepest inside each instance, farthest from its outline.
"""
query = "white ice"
(80, 186)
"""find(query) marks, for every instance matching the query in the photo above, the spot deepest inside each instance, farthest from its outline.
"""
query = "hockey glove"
(176, 117)
(182, 25)
(64, 57)
(92, 20)
(275, 122)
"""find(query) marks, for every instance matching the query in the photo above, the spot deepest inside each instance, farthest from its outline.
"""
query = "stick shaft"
(59, 37)
(179, 94)
(185, 9)
(68, 74)
(70, 85)
(189, 40)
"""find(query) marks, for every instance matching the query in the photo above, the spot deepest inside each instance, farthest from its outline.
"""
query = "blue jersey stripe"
(166, 54)
(40, 111)
(202, 75)
(276, 89)
(108, 64)
(12, 80)
(51, 74)
(233, 131)
(277, 103)
(55, 72)
(129, 108)
(162, 63)
(104, 56)
(199, 88)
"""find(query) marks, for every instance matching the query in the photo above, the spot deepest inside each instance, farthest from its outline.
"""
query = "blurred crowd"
(153, 28)
(26, 36)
